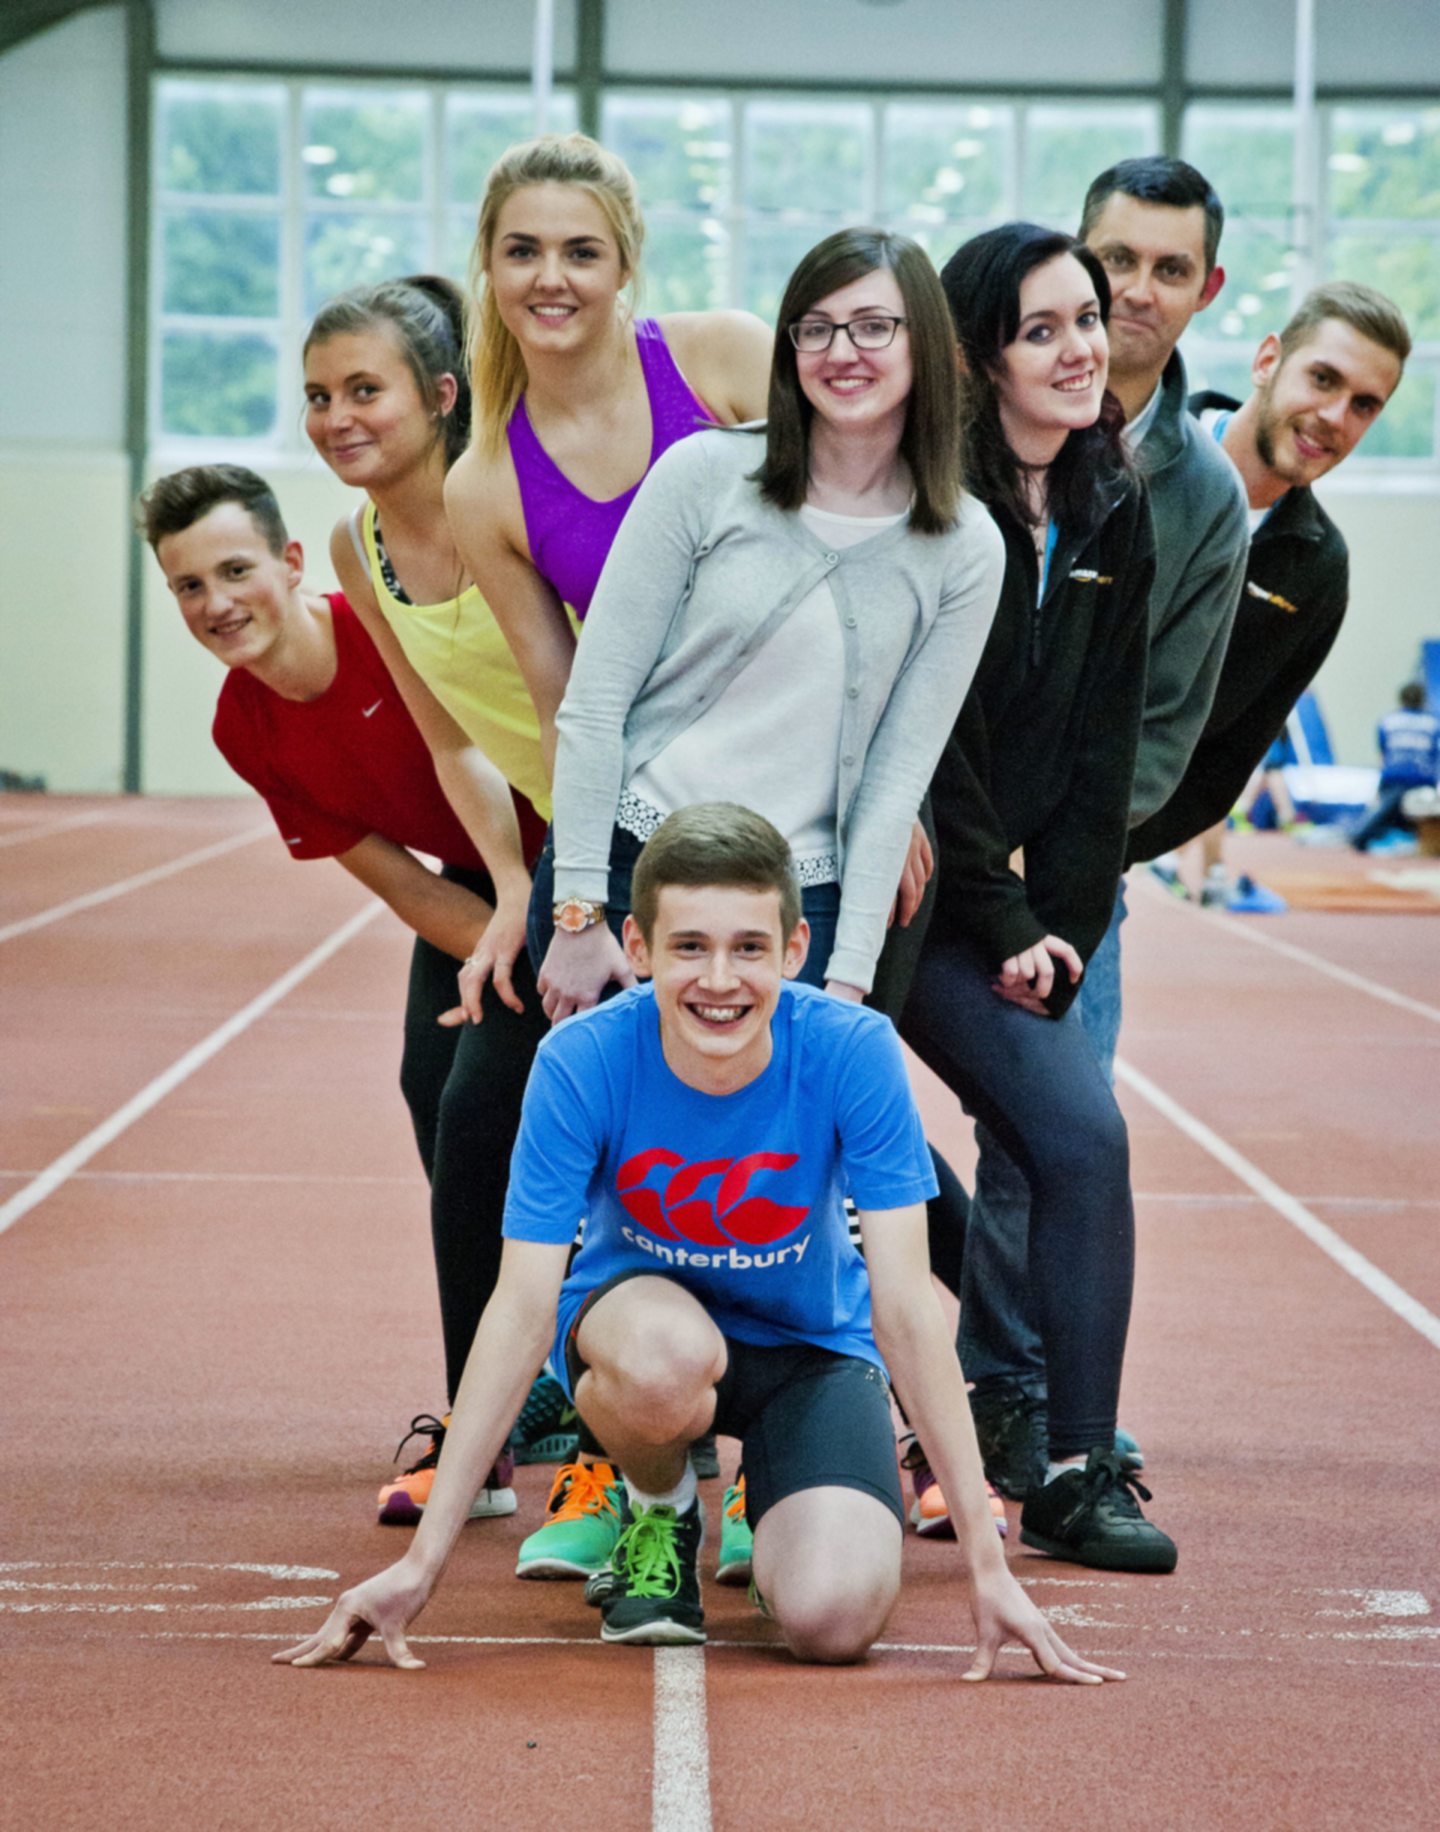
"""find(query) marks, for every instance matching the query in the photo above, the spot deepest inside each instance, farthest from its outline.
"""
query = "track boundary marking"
(1357, 982)
(680, 1791)
(73, 905)
(41, 830)
(1379, 1284)
(61, 1169)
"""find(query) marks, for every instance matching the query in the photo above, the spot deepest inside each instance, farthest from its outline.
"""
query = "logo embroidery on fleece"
(733, 1219)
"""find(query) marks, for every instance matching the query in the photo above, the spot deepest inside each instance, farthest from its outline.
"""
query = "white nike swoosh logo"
(295, 841)
(369, 709)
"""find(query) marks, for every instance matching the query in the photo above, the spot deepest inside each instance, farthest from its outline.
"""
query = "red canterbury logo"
(678, 1213)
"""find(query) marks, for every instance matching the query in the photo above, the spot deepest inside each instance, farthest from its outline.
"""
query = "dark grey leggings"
(1036, 1083)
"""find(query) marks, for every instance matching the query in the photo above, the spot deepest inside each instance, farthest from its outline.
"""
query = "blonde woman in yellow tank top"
(387, 408)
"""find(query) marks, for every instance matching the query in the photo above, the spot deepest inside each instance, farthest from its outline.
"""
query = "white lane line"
(65, 1166)
(57, 912)
(1242, 930)
(1379, 1284)
(43, 829)
(225, 1176)
(680, 1795)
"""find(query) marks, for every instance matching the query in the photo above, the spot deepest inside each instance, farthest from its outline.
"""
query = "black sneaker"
(1012, 1427)
(655, 1599)
(705, 1456)
(1091, 1517)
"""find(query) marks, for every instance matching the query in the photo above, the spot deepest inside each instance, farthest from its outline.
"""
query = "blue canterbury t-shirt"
(738, 1197)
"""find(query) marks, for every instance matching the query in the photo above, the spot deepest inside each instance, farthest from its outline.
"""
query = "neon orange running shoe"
(584, 1518)
(931, 1517)
(403, 1502)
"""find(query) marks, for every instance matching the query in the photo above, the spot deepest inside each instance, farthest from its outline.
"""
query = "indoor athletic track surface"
(219, 1317)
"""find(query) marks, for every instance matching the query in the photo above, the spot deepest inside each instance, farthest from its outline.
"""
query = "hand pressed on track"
(385, 1605)
(1004, 1613)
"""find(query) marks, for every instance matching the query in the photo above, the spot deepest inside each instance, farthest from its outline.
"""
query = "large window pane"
(221, 263)
(687, 265)
(359, 249)
(809, 156)
(1404, 267)
(220, 139)
(773, 251)
(366, 144)
(1385, 162)
(478, 128)
(944, 163)
(217, 386)
(1066, 147)
(1247, 154)
(680, 152)
(1256, 295)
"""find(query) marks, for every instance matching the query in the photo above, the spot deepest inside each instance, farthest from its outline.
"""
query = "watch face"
(575, 915)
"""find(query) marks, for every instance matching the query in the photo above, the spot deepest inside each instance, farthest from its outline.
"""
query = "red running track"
(219, 1322)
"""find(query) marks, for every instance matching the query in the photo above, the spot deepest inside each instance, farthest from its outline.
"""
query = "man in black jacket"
(1320, 384)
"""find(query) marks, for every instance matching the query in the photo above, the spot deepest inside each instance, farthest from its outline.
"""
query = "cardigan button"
(832, 559)
(849, 757)
(854, 692)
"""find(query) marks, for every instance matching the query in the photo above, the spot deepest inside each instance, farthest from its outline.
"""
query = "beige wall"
(62, 616)
(1394, 541)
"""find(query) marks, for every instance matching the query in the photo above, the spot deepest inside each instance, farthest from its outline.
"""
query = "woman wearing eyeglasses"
(789, 618)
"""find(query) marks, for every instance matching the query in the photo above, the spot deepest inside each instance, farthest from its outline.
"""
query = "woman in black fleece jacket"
(1041, 760)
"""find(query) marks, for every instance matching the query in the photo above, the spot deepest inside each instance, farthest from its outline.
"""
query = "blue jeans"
(999, 1337)
(819, 904)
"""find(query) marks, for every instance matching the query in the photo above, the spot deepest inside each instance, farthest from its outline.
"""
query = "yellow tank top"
(461, 654)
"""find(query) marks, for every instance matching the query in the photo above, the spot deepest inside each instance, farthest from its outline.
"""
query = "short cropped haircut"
(930, 440)
(1412, 697)
(714, 843)
(1361, 307)
(176, 502)
(1158, 180)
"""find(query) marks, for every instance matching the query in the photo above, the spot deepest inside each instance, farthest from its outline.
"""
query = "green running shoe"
(736, 1539)
(582, 1524)
(547, 1430)
(656, 1599)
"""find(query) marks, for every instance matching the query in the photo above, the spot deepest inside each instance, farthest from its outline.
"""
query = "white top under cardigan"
(701, 575)
(774, 733)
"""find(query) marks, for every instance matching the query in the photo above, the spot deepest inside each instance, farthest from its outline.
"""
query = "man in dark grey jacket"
(1155, 224)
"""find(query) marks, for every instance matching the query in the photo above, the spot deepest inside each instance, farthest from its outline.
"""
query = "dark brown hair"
(717, 843)
(174, 503)
(930, 443)
(982, 283)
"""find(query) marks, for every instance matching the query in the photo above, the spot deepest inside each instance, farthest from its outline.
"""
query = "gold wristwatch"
(576, 914)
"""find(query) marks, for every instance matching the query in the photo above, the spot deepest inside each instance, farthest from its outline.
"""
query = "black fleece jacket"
(1043, 753)
(1297, 585)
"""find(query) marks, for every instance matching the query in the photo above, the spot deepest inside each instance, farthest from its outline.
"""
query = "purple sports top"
(570, 534)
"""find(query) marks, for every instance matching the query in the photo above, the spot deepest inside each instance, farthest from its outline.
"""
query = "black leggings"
(464, 1088)
(1037, 1084)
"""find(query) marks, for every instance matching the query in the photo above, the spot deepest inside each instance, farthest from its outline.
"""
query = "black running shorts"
(805, 1417)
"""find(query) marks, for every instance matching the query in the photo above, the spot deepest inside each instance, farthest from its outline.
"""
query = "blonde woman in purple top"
(575, 398)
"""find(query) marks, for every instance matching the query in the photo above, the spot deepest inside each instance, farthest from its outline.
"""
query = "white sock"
(680, 1497)
(1059, 1469)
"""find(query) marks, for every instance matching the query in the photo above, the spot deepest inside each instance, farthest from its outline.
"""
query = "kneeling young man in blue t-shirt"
(708, 1125)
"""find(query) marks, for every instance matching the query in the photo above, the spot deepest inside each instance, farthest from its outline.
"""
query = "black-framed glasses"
(875, 331)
